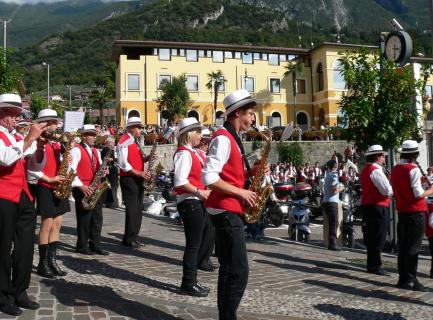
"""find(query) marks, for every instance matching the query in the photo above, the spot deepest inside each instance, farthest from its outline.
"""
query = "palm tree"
(100, 96)
(293, 67)
(216, 80)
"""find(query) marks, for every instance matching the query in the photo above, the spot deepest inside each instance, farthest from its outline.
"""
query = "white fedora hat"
(375, 149)
(236, 100)
(186, 125)
(10, 100)
(409, 146)
(47, 114)
(133, 121)
(88, 128)
(205, 132)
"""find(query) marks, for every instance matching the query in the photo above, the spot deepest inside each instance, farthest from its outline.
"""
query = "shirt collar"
(377, 165)
(3, 129)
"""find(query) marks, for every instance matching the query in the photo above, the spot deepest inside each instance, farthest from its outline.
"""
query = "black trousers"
(17, 227)
(89, 223)
(233, 260)
(199, 236)
(430, 244)
(376, 219)
(132, 194)
(331, 211)
(410, 231)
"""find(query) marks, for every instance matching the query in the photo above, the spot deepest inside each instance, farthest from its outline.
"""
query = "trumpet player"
(48, 206)
(225, 173)
(17, 217)
(85, 162)
(132, 175)
(375, 202)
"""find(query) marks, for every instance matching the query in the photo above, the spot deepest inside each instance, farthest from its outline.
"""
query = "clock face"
(393, 48)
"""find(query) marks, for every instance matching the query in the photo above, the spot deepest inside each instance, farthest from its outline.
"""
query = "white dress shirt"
(415, 180)
(380, 180)
(182, 168)
(75, 159)
(122, 154)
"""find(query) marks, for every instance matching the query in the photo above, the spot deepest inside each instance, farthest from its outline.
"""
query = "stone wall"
(320, 151)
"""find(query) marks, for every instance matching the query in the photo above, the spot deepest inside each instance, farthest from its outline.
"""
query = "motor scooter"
(299, 213)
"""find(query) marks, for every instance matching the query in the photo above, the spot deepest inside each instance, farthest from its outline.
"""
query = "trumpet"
(54, 136)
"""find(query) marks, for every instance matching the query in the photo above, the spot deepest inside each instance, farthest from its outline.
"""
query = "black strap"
(235, 136)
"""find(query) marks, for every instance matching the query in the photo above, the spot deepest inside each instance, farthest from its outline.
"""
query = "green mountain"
(31, 23)
(82, 57)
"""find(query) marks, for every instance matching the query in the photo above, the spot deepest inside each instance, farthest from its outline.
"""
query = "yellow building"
(143, 66)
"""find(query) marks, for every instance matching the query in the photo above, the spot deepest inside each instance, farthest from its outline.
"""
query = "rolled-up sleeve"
(10, 155)
(217, 157)
(182, 168)
(415, 182)
(381, 182)
(75, 159)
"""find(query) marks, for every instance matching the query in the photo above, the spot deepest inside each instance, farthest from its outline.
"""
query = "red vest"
(428, 229)
(371, 194)
(232, 173)
(13, 179)
(52, 154)
(85, 171)
(194, 176)
(404, 197)
(135, 157)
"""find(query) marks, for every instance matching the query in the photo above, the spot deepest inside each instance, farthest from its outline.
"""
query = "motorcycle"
(316, 197)
(299, 213)
(276, 210)
(346, 197)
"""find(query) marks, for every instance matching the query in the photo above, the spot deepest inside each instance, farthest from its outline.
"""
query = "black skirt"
(48, 205)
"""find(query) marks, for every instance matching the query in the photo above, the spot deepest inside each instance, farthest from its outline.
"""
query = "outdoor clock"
(398, 47)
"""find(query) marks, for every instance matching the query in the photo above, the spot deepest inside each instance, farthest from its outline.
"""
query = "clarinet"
(386, 171)
(423, 174)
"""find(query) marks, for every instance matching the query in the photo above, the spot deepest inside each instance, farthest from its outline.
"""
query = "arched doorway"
(302, 120)
(133, 113)
(219, 121)
(193, 113)
(276, 119)
(321, 117)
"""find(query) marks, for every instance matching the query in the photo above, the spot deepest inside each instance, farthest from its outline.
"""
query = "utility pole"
(430, 4)
(5, 22)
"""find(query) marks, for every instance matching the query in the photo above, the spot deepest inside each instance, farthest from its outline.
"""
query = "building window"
(320, 80)
(300, 86)
(209, 53)
(275, 119)
(174, 52)
(182, 52)
(248, 83)
(274, 85)
(193, 114)
(428, 91)
(133, 81)
(218, 56)
(302, 120)
(273, 60)
(247, 57)
(283, 57)
(191, 55)
(163, 80)
(264, 56)
(337, 69)
(155, 51)
(256, 56)
(201, 53)
(164, 54)
(192, 83)
(228, 54)
(237, 55)
(291, 57)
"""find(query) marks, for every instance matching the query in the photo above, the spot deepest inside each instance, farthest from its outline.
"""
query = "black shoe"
(404, 285)
(206, 268)
(84, 251)
(203, 287)
(100, 252)
(52, 260)
(431, 274)
(418, 287)
(194, 291)
(26, 303)
(379, 272)
(11, 309)
(44, 269)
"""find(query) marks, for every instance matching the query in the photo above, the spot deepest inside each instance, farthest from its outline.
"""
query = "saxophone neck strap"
(235, 136)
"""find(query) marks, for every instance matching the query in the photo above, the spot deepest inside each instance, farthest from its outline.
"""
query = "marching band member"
(132, 174)
(375, 201)
(411, 205)
(225, 174)
(17, 217)
(191, 193)
(85, 162)
(48, 206)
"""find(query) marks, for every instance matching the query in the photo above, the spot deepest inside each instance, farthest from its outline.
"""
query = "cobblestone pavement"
(287, 281)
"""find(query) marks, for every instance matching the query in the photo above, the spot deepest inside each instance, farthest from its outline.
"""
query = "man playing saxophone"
(48, 206)
(132, 174)
(86, 161)
(225, 173)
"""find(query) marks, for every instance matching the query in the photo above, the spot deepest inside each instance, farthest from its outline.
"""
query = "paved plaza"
(287, 281)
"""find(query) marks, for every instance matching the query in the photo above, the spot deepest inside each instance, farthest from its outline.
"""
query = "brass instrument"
(423, 174)
(62, 189)
(252, 214)
(149, 184)
(89, 202)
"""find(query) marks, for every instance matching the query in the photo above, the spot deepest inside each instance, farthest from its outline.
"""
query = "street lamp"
(70, 95)
(5, 22)
(48, 81)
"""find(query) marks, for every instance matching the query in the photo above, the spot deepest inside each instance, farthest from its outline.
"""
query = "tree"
(37, 103)
(104, 92)
(291, 152)
(216, 80)
(174, 100)
(9, 77)
(377, 107)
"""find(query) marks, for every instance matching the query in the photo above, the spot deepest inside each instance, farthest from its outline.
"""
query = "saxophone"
(149, 184)
(89, 202)
(252, 214)
(62, 189)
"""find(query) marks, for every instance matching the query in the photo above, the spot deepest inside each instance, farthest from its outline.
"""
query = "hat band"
(16, 104)
(188, 126)
(45, 117)
(237, 102)
(409, 149)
